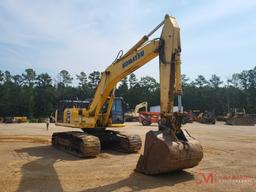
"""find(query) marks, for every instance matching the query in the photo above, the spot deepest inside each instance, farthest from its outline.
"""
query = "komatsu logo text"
(133, 59)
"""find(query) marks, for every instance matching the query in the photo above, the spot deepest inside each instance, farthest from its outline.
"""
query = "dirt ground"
(29, 163)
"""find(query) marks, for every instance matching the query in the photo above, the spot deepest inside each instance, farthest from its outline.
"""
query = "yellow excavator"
(168, 149)
(134, 115)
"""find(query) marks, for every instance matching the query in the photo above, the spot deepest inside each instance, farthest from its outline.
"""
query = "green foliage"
(132, 80)
(17, 79)
(35, 96)
(1, 77)
(94, 79)
(184, 79)
(29, 77)
(123, 88)
(82, 78)
(43, 80)
(64, 78)
(200, 81)
(7, 76)
(215, 81)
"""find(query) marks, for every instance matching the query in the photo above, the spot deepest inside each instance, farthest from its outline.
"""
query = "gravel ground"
(29, 163)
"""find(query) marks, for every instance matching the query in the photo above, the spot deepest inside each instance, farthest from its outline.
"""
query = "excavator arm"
(117, 71)
(167, 48)
(168, 149)
(140, 106)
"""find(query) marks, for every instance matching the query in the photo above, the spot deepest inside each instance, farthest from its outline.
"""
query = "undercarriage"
(90, 142)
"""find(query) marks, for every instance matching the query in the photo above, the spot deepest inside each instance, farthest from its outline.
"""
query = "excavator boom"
(168, 149)
(140, 106)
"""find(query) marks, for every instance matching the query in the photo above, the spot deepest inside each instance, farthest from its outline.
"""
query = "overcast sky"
(217, 36)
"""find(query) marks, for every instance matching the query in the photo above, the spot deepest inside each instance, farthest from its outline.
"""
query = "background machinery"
(168, 149)
(147, 118)
(134, 115)
(15, 119)
(239, 117)
(207, 117)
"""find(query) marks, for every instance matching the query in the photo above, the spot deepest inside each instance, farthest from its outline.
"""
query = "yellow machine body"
(168, 149)
(134, 115)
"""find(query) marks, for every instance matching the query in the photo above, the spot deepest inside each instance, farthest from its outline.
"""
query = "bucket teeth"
(162, 154)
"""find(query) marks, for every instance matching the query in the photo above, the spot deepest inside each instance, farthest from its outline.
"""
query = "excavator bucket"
(162, 154)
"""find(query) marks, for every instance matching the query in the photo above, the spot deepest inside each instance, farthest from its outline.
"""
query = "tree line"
(37, 95)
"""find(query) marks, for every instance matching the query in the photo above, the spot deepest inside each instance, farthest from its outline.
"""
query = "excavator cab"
(68, 111)
(117, 112)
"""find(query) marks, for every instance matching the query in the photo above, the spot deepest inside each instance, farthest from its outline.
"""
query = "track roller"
(77, 143)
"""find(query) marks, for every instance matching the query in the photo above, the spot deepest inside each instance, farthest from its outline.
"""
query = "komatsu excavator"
(168, 149)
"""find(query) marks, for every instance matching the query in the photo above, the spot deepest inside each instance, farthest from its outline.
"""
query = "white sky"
(85, 35)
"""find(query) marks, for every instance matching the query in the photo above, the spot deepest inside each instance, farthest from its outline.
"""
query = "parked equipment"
(168, 149)
(187, 117)
(147, 118)
(153, 116)
(239, 117)
(16, 119)
(252, 117)
(20, 119)
(207, 117)
(134, 115)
